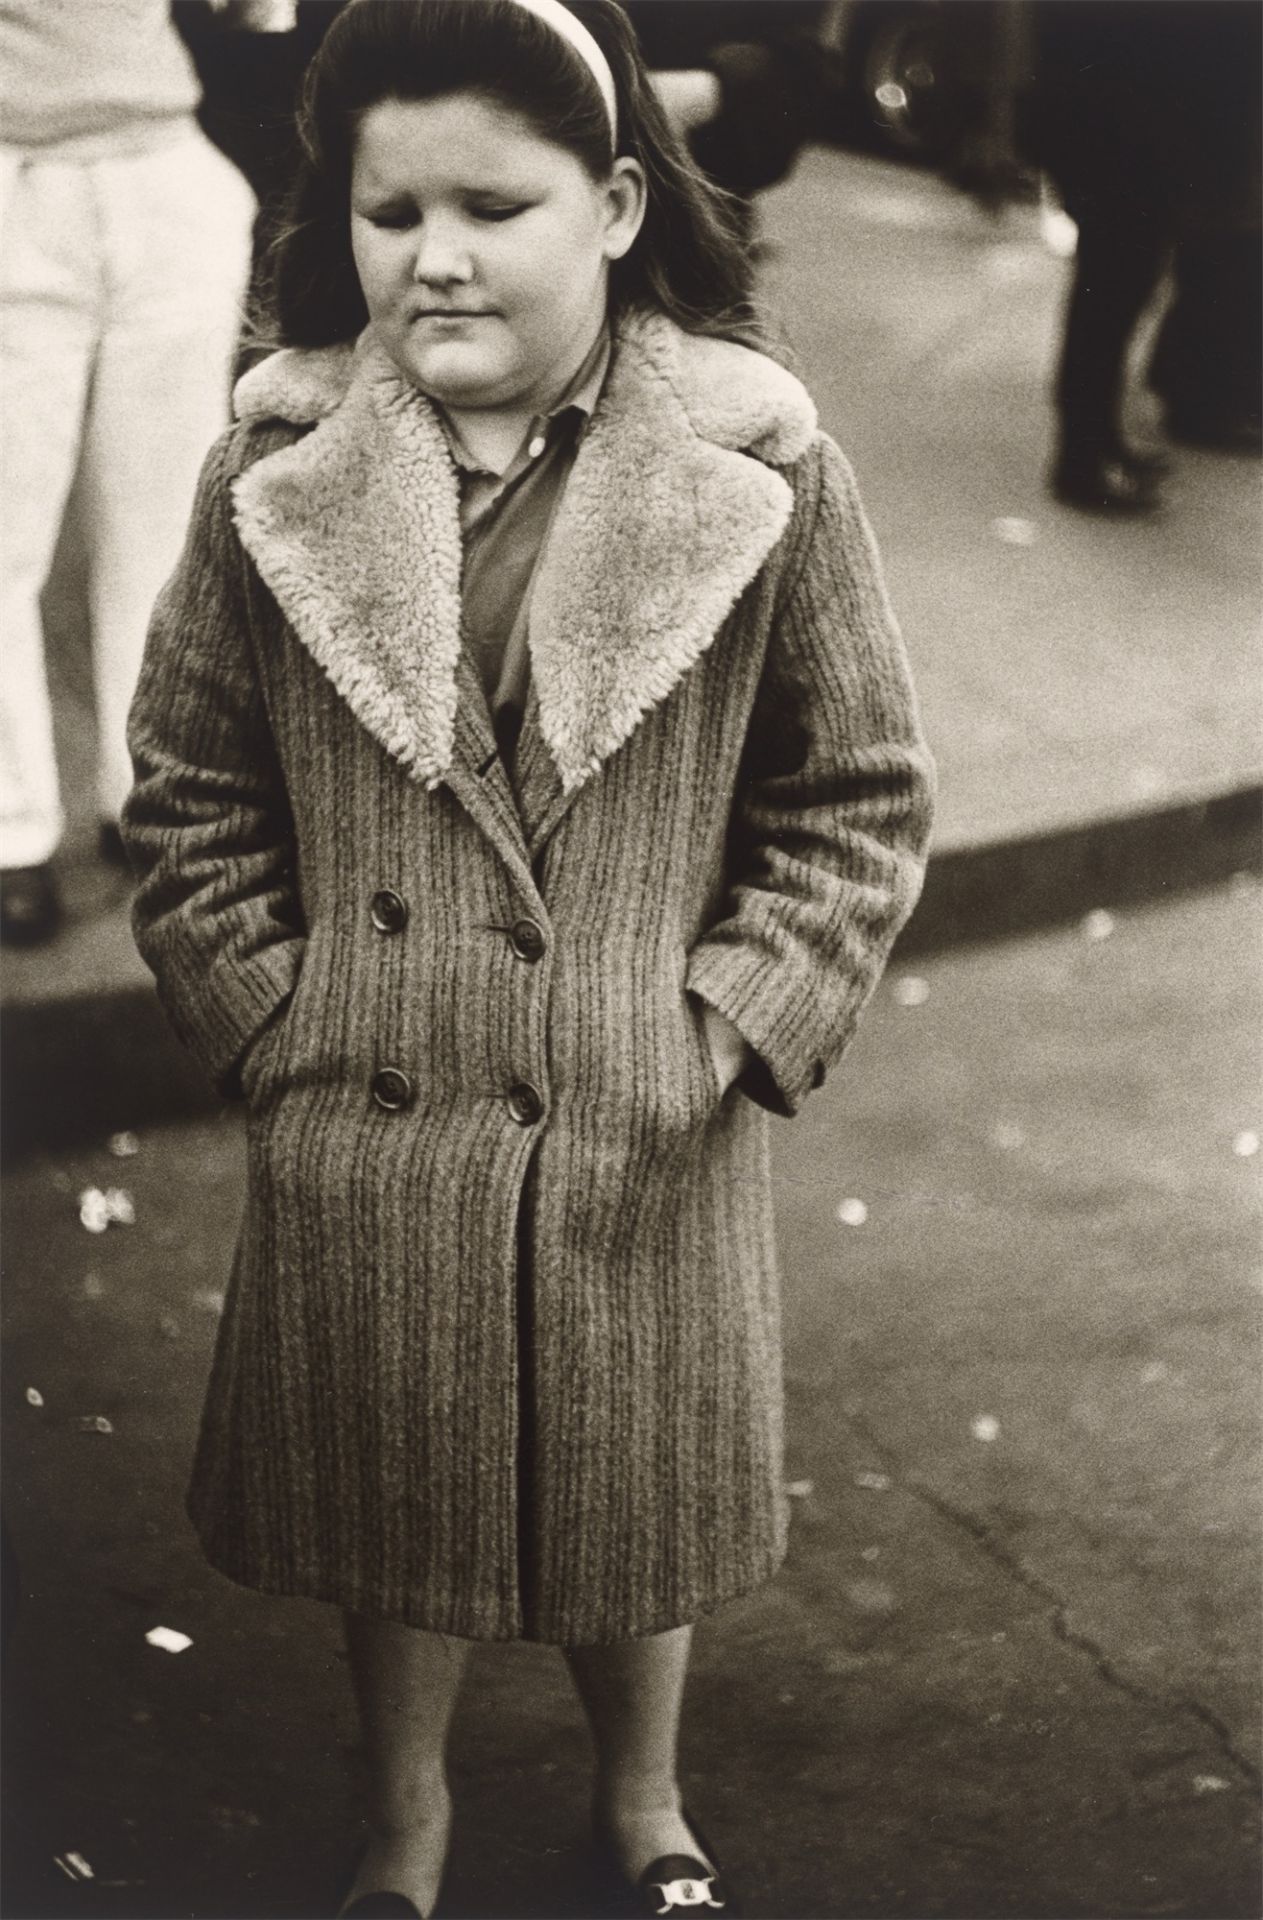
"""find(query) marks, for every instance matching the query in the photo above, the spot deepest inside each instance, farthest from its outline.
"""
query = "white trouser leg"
(49, 288)
(178, 228)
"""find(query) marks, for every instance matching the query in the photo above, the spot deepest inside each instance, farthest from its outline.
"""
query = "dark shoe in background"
(1113, 487)
(30, 906)
(1149, 462)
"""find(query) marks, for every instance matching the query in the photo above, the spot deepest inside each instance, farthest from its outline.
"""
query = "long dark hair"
(689, 259)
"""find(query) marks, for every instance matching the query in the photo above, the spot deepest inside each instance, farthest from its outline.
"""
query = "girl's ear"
(625, 194)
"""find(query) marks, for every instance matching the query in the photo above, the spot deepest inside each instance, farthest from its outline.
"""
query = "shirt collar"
(580, 396)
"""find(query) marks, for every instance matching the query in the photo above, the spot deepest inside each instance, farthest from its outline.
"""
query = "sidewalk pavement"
(1010, 1668)
(1091, 690)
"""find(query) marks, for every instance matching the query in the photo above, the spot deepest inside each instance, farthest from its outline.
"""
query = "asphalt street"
(1011, 1666)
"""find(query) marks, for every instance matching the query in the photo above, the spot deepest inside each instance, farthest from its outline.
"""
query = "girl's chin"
(458, 379)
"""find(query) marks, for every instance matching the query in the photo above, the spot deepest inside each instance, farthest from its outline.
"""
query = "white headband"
(576, 35)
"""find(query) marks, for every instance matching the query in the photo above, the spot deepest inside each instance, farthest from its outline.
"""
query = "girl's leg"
(632, 1693)
(406, 1684)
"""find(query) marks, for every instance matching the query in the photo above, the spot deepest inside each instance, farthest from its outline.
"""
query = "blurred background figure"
(124, 251)
(742, 80)
(935, 82)
(1145, 114)
(1208, 366)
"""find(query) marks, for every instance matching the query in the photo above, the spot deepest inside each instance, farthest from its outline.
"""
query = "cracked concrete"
(1059, 1623)
(1010, 1668)
(1001, 1553)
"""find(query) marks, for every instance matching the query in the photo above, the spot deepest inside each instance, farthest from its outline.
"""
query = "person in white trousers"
(124, 258)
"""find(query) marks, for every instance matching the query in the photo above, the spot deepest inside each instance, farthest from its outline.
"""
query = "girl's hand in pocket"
(729, 1051)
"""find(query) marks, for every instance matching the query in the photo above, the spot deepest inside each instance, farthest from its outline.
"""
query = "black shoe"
(30, 906)
(1105, 486)
(679, 1883)
(109, 845)
(676, 1883)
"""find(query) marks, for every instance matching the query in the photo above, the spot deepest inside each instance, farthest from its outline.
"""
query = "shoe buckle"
(687, 1893)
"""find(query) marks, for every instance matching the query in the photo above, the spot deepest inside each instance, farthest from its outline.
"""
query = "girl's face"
(482, 250)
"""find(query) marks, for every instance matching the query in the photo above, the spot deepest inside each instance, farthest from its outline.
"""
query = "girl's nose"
(442, 256)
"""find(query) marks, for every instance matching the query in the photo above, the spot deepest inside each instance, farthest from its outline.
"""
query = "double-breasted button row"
(388, 911)
(393, 1090)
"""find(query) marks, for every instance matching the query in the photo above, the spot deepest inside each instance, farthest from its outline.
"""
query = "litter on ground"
(1015, 531)
(101, 1209)
(168, 1639)
(74, 1866)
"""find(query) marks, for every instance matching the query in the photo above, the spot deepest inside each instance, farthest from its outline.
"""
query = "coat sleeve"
(833, 813)
(207, 825)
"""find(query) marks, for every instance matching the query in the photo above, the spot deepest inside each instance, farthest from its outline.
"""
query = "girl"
(528, 791)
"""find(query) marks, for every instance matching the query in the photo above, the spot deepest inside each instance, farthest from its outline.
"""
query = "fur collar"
(673, 505)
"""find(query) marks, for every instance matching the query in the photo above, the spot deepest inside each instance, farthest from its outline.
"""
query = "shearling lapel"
(355, 528)
(660, 530)
(673, 506)
(674, 503)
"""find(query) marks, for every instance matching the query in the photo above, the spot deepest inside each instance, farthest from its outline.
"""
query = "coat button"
(388, 911)
(392, 1088)
(525, 1104)
(527, 940)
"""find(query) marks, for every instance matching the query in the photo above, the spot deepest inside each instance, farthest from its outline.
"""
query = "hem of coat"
(430, 1620)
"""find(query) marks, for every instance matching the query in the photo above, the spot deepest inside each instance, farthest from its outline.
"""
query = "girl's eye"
(393, 218)
(505, 212)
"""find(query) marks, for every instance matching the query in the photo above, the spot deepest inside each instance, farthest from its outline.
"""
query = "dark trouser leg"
(1207, 365)
(1117, 267)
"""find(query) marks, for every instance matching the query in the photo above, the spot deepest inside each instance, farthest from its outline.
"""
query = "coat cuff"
(748, 988)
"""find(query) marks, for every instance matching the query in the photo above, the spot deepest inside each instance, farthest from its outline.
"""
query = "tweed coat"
(500, 1354)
